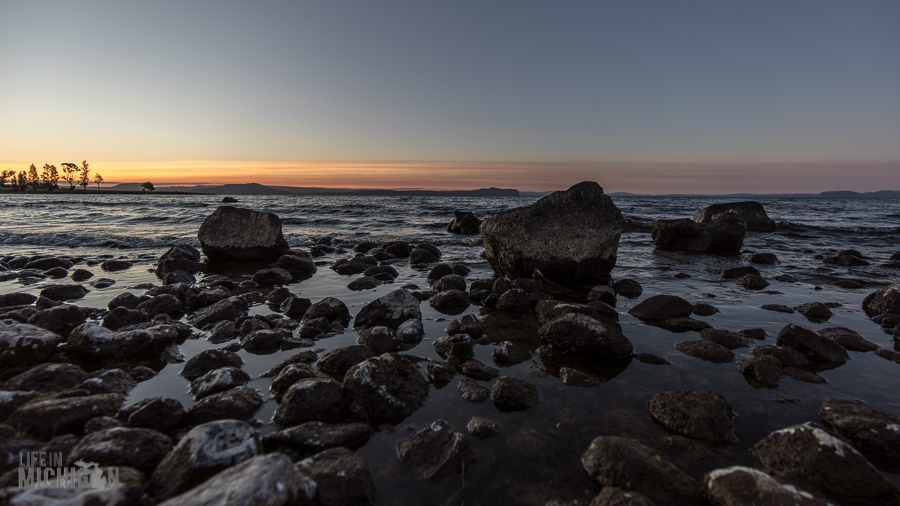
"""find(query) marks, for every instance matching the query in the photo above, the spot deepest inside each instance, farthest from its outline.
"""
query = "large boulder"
(464, 223)
(702, 415)
(883, 301)
(22, 344)
(63, 416)
(231, 234)
(812, 345)
(871, 431)
(662, 307)
(389, 310)
(725, 235)
(580, 334)
(571, 237)
(745, 486)
(339, 477)
(388, 386)
(752, 213)
(92, 340)
(121, 446)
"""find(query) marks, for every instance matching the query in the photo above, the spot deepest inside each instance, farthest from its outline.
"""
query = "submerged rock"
(514, 394)
(765, 369)
(725, 235)
(436, 451)
(231, 234)
(63, 293)
(310, 438)
(571, 236)
(706, 350)
(849, 339)
(726, 339)
(482, 428)
(702, 415)
(787, 356)
(338, 477)
(581, 334)
(870, 431)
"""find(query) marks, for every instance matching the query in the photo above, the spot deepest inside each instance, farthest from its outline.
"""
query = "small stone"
(706, 350)
(576, 378)
(482, 428)
(510, 353)
(472, 391)
(436, 451)
(765, 369)
(514, 394)
(702, 415)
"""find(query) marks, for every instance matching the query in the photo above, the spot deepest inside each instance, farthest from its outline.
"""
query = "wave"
(72, 240)
(787, 225)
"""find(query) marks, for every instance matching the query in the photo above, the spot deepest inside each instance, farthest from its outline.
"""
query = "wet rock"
(386, 387)
(450, 282)
(603, 293)
(271, 277)
(706, 350)
(704, 309)
(363, 283)
(115, 265)
(614, 496)
(515, 300)
(290, 375)
(815, 347)
(627, 287)
(580, 334)
(176, 277)
(450, 300)
(23, 344)
(514, 394)
(340, 360)
(10, 399)
(702, 415)
(576, 378)
(649, 358)
(311, 438)
(778, 308)
(339, 477)
(349, 266)
(114, 381)
(389, 310)
(803, 375)
(551, 309)
(162, 304)
(47, 263)
(787, 356)
(47, 378)
(786, 278)
(222, 332)
(883, 301)
(208, 360)
(304, 357)
(464, 223)
(63, 293)
(63, 416)
(739, 486)
(437, 272)
(477, 370)
(159, 413)
(330, 308)
(411, 331)
(849, 339)
(265, 480)
(238, 403)
(380, 339)
(808, 454)
(92, 340)
(753, 282)
(631, 466)
(296, 266)
(763, 258)
(725, 235)
(16, 299)
(870, 431)
(295, 307)
(102, 283)
(278, 296)
(122, 316)
(103, 423)
(181, 257)
(661, 307)
(265, 340)
(121, 446)
(765, 369)
(310, 399)
(510, 353)
(683, 324)
(398, 249)
(459, 346)
(127, 300)
(316, 328)
(439, 372)
(757, 334)
(752, 213)
(814, 311)
(229, 309)
(420, 256)
(739, 272)
(436, 451)
(726, 339)
(472, 391)
(570, 237)
(239, 235)
(845, 260)
(218, 380)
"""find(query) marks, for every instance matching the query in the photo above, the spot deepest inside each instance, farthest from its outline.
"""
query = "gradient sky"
(654, 97)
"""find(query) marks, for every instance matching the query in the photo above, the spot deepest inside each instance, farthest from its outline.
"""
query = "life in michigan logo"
(46, 470)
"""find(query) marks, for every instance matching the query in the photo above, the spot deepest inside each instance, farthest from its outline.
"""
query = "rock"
(127, 300)
(290, 375)
(883, 301)
(16, 299)
(477, 370)
(23, 344)
(47, 263)
(310, 438)
(349, 266)
(581, 334)
(239, 235)
(218, 380)
(757, 333)
(802, 375)
(121, 446)
(92, 340)
(437, 272)
(514, 300)
(725, 235)
(238, 403)
(814, 311)
(845, 260)
(450, 300)
(296, 307)
(450, 282)
(765, 369)
(739, 272)
(514, 394)
(63, 293)
(458, 346)
(330, 308)
(808, 454)
(570, 236)
(296, 266)
(786, 278)
(176, 277)
(872, 432)
(752, 213)
(385, 387)
(552, 309)
(103, 423)
(380, 339)
(849, 339)
(614, 496)
(510, 353)
(122, 316)
(411, 331)
(390, 310)
(160, 413)
(787, 356)
(778, 308)
(63, 416)
(704, 309)
(363, 283)
(439, 372)
(702, 415)
(265, 340)
(102, 283)
(482, 428)
(464, 223)
(272, 277)
(398, 249)
(161, 304)
(631, 466)
(739, 486)
(339, 477)
(706, 350)
(627, 287)
(47, 378)
(726, 339)
(265, 480)
(576, 378)
(114, 381)
(661, 307)
(181, 257)
(763, 258)
(79, 275)
(340, 360)
(753, 282)
(472, 391)
(229, 309)
(683, 324)
(436, 451)
(116, 265)
(209, 360)
(815, 347)
(310, 399)
(603, 293)
(222, 332)
(229, 200)
(420, 256)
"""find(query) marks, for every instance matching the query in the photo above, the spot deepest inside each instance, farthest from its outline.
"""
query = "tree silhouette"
(69, 170)
(50, 177)
(98, 179)
(33, 177)
(147, 186)
(6, 175)
(22, 180)
(85, 175)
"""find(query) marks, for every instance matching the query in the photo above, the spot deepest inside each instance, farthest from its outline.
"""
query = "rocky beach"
(333, 350)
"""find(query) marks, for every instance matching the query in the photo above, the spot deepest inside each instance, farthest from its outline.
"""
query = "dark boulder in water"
(706, 350)
(240, 235)
(753, 282)
(64, 292)
(702, 415)
(22, 344)
(814, 311)
(725, 235)
(871, 431)
(580, 334)
(815, 347)
(115, 265)
(514, 394)
(339, 477)
(883, 301)
(571, 237)
(627, 287)
(298, 266)
(763, 258)
(182, 257)
(739, 272)
(662, 307)
(386, 387)
(436, 451)
(765, 369)
(464, 223)
(738, 485)
(849, 339)
(752, 213)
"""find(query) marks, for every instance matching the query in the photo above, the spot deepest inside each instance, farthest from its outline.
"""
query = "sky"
(641, 96)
